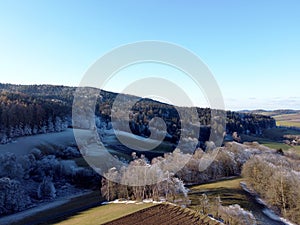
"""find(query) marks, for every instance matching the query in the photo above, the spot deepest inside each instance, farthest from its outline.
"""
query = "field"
(230, 192)
(266, 141)
(283, 117)
(273, 138)
(103, 214)
(227, 183)
(278, 133)
(164, 214)
(288, 120)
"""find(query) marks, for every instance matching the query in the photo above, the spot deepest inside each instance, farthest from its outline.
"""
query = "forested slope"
(33, 109)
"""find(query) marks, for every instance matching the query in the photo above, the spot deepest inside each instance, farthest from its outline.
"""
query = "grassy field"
(276, 145)
(229, 191)
(103, 214)
(296, 149)
(273, 138)
(266, 141)
(278, 133)
(230, 183)
(288, 123)
(288, 120)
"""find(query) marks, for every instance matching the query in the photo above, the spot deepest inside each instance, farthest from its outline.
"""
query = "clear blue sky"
(252, 47)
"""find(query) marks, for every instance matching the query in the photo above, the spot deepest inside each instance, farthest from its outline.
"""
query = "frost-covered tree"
(46, 189)
(18, 130)
(28, 164)
(58, 124)
(204, 166)
(11, 131)
(48, 166)
(204, 205)
(50, 125)
(10, 167)
(27, 130)
(3, 138)
(35, 129)
(68, 168)
(235, 215)
(36, 153)
(109, 188)
(141, 180)
(43, 128)
(13, 197)
(69, 153)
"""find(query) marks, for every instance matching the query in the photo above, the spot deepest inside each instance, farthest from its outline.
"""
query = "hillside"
(35, 109)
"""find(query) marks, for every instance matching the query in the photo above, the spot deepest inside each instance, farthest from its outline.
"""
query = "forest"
(34, 109)
(36, 177)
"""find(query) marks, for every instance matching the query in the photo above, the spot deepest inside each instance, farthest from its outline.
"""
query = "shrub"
(46, 189)
(13, 197)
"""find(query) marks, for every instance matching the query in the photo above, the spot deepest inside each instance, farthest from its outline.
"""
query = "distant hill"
(33, 109)
(276, 112)
(283, 117)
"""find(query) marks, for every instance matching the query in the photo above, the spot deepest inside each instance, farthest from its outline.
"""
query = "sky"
(252, 48)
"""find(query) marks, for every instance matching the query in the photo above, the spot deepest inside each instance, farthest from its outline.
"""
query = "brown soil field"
(164, 214)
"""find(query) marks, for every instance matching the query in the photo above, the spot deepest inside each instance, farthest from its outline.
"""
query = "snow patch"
(145, 201)
(273, 216)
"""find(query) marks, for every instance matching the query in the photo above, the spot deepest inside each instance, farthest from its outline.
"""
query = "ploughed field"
(164, 214)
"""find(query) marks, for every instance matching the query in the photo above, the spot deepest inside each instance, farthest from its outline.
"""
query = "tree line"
(23, 115)
(127, 182)
(200, 167)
